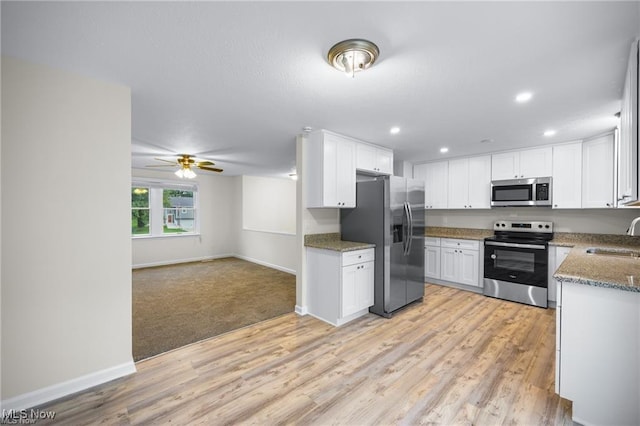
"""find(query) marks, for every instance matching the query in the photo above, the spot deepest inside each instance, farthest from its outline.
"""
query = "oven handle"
(515, 245)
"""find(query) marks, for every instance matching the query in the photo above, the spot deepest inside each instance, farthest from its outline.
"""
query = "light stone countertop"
(622, 273)
(462, 233)
(580, 267)
(601, 271)
(333, 242)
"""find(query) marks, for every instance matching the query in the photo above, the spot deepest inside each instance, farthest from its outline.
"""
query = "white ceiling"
(235, 82)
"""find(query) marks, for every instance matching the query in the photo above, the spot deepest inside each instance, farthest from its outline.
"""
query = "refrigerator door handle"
(405, 228)
(407, 232)
(410, 214)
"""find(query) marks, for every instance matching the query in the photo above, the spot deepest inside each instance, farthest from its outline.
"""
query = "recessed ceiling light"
(524, 97)
(444, 149)
(549, 132)
(394, 130)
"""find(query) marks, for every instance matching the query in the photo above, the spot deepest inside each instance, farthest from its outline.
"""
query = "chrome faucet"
(632, 227)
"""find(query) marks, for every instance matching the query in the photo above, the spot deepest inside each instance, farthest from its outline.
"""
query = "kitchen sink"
(614, 252)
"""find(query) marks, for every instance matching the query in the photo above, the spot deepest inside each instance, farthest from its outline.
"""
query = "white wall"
(221, 231)
(66, 251)
(269, 204)
(596, 221)
(274, 249)
(217, 212)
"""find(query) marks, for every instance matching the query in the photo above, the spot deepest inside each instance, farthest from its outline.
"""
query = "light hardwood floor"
(456, 358)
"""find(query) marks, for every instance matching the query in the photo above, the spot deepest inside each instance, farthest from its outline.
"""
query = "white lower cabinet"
(598, 337)
(432, 258)
(340, 284)
(460, 261)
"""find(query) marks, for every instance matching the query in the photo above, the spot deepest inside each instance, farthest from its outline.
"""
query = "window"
(163, 209)
(179, 214)
(139, 210)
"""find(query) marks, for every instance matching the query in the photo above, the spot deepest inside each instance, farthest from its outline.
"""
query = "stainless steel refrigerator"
(389, 213)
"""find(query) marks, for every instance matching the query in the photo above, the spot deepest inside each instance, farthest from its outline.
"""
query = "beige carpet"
(181, 304)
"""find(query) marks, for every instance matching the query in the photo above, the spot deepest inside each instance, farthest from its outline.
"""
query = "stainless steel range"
(516, 260)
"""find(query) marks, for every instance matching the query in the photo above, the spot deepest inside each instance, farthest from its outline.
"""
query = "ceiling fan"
(185, 162)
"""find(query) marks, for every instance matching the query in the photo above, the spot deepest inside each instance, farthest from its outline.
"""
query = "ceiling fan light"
(185, 172)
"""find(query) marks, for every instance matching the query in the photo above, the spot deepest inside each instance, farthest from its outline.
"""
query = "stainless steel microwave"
(521, 192)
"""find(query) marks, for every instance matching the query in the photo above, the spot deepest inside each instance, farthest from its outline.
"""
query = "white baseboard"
(178, 261)
(301, 310)
(267, 264)
(59, 390)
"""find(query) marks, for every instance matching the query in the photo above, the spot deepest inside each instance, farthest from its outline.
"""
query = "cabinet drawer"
(357, 256)
(460, 244)
(432, 241)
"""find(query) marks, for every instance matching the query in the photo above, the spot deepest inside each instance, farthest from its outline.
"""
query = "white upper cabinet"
(628, 135)
(480, 182)
(435, 177)
(598, 172)
(329, 170)
(567, 176)
(373, 159)
(522, 164)
(505, 165)
(469, 185)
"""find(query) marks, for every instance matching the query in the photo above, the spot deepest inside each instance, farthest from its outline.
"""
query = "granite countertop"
(333, 242)
(580, 267)
(621, 273)
(568, 239)
(462, 233)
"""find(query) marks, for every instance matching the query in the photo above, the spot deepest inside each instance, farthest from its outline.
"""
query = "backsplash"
(594, 221)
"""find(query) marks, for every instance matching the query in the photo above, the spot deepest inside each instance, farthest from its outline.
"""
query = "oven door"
(519, 263)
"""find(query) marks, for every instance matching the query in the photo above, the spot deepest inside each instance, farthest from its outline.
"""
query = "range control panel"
(523, 226)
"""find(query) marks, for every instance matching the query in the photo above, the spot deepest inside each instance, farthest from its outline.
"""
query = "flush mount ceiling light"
(353, 55)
